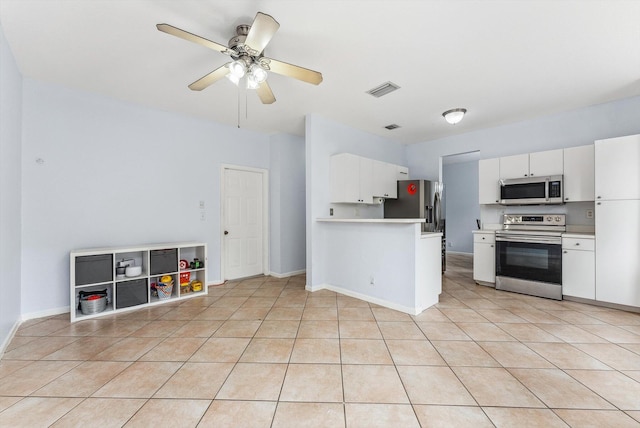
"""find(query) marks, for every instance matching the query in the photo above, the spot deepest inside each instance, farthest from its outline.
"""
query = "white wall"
(10, 195)
(323, 139)
(462, 206)
(567, 129)
(287, 183)
(114, 173)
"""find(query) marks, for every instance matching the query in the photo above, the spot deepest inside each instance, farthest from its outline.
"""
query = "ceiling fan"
(246, 49)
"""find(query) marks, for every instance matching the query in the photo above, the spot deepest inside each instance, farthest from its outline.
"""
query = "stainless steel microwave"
(531, 191)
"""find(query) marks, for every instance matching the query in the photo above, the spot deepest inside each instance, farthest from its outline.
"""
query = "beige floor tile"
(268, 351)
(34, 376)
(259, 301)
(9, 366)
(139, 380)
(278, 329)
(372, 384)
(414, 352)
(220, 350)
(596, 418)
(495, 387)
(448, 302)
(318, 329)
(464, 354)
(507, 418)
(571, 333)
(42, 328)
(39, 348)
(83, 349)
(316, 351)
(320, 313)
(6, 402)
(252, 381)
(442, 331)
(528, 333)
(567, 356)
(612, 333)
(350, 329)
(431, 315)
(355, 314)
(635, 415)
(351, 302)
(380, 415)
(515, 354)
(113, 413)
(272, 292)
(434, 385)
(558, 390)
(575, 317)
(463, 315)
(482, 331)
(170, 413)
(620, 390)
(385, 314)
(500, 315)
(197, 329)
(400, 330)
(83, 380)
(229, 302)
(364, 351)
(285, 313)
(158, 329)
(534, 315)
(232, 414)
(174, 349)
(635, 374)
(452, 417)
(37, 411)
(196, 380)
(318, 302)
(237, 329)
(215, 313)
(617, 317)
(250, 314)
(309, 415)
(19, 341)
(635, 329)
(183, 313)
(480, 303)
(128, 349)
(313, 382)
(612, 355)
(82, 328)
(290, 302)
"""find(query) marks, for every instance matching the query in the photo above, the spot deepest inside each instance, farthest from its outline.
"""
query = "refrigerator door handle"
(429, 214)
(438, 211)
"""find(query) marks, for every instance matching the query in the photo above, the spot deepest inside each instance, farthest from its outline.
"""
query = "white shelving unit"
(94, 270)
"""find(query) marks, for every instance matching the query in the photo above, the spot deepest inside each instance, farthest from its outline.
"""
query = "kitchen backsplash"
(576, 212)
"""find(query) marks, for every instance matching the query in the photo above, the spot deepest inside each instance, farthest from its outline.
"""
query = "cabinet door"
(546, 163)
(488, 176)
(514, 166)
(616, 167)
(384, 179)
(366, 180)
(618, 252)
(484, 262)
(579, 274)
(579, 173)
(402, 173)
(345, 178)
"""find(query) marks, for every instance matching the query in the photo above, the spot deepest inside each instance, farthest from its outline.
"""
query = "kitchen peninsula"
(389, 262)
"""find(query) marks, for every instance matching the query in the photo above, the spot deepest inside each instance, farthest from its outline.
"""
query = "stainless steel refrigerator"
(420, 199)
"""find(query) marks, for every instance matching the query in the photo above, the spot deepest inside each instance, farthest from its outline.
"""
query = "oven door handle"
(530, 239)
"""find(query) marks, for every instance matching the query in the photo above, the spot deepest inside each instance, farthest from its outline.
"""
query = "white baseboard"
(214, 283)
(375, 300)
(46, 313)
(288, 274)
(9, 337)
(459, 252)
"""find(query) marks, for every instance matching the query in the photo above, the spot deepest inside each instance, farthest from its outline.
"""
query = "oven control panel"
(535, 219)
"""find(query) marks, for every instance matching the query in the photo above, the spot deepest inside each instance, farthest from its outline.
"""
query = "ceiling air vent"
(383, 89)
(392, 126)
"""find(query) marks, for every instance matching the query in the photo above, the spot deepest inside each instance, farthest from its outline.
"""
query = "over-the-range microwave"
(531, 190)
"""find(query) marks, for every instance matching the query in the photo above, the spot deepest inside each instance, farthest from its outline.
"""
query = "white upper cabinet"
(578, 174)
(345, 178)
(617, 167)
(489, 174)
(384, 180)
(402, 173)
(532, 164)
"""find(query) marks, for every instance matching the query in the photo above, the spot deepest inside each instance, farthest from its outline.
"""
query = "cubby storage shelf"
(94, 270)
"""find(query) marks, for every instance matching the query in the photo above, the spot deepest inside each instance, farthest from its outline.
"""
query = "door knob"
(226, 232)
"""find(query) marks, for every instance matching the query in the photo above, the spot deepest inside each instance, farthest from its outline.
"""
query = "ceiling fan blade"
(300, 73)
(265, 93)
(210, 78)
(261, 32)
(174, 31)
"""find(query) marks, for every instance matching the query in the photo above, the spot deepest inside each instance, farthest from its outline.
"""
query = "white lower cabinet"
(578, 267)
(484, 257)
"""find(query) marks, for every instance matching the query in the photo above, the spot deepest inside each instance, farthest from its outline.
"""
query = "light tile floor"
(264, 352)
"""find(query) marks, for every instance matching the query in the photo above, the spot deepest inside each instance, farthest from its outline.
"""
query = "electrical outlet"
(372, 280)
(201, 205)
(589, 214)
(450, 244)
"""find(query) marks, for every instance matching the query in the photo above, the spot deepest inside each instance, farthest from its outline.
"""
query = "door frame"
(265, 216)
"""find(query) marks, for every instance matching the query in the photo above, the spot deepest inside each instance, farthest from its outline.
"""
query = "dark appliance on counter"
(420, 199)
(531, 191)
(529, 254)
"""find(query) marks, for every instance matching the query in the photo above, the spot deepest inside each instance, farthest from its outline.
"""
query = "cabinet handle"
(599, 197)
(531, 175)
(497, 201)
(599, 203)
(577, 243)
(483, 237)
(526, 175)
(491, 245)
(564, 252)
(566, 199)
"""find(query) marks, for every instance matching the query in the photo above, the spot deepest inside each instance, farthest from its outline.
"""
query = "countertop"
(583, 235)
(371, 220)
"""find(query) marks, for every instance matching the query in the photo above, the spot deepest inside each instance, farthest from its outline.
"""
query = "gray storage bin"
(131, 293)
(163, 261)
(94, 269)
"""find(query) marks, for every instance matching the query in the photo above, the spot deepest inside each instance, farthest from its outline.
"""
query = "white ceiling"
(504, 61)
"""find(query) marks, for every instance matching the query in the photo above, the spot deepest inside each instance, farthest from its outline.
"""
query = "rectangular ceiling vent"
(392, 126)
(383, 89)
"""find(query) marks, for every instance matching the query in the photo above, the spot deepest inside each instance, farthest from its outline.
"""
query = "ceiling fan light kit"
(454, 115)
(246, 49)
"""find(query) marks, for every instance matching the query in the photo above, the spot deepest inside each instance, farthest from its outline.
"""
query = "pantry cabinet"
(98, 272)
(579, 173)
(484, 257)
(578, 267)
(489, 174)
(617, 168)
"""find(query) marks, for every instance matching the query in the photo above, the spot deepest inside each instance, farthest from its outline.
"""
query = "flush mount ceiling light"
(454, 115)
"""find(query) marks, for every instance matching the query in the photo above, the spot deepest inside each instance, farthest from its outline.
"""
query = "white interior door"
(243, 223)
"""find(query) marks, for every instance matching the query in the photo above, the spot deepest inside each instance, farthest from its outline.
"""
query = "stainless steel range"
(529, 254)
